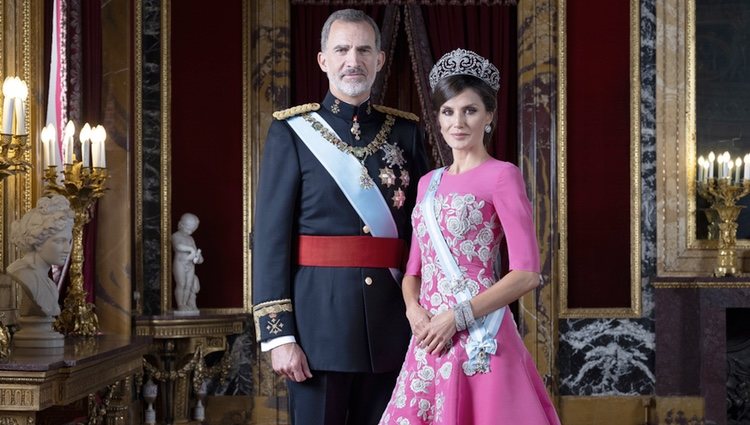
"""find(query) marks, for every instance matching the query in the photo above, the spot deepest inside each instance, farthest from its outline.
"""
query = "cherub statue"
(186, 256)
(44, 236)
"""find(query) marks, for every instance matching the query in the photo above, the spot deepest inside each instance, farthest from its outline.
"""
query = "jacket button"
(366, 229)
(368, 280)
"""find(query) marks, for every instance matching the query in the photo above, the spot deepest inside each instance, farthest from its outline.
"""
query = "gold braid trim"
(396, 112)
(262, 306)
(360, 152)
(295, 110)
(269, 307)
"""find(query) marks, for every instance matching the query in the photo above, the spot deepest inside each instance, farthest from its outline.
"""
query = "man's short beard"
(353, 89)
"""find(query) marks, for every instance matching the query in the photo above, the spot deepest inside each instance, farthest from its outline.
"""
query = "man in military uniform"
(337, 185)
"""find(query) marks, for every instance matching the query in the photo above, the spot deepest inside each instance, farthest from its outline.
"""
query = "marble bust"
(43, 235)
(186, 256)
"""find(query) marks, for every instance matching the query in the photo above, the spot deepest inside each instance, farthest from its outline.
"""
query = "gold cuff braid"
(270, 307)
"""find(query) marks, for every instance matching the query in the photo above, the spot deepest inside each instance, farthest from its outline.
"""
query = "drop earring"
(488, 128)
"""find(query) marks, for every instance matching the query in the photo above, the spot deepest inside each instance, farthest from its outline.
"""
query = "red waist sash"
(350, 251)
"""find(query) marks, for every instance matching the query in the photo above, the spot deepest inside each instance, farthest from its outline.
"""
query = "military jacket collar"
(347, 111)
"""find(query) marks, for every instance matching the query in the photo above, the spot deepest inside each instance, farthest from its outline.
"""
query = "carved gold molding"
(189, 327)
(635, 174)
(679, 253)
(166, 154)
(250, 157)
(138, 152)
(698, 284)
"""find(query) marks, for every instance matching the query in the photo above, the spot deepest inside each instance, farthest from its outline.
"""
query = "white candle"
(729, 165)
(45, 147)
(720, 166)
(53, 148)
(102, 151)
(8, 105)
(95, 150)
(701, 161)
(20, 104)
(727, 168)
(68, 144)
(705, 171)
(746, 174)
(737, 168)
(711, 158)
(85, 137)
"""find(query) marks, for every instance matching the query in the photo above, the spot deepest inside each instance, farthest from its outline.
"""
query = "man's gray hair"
(348, 15)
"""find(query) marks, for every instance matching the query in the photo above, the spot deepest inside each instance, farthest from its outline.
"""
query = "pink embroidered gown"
(475, 210)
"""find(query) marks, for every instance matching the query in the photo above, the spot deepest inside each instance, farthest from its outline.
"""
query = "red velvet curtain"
(598, 154)
(91, 112)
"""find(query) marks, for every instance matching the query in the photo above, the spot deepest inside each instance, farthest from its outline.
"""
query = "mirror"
(684, 82)
(20, 49)
(722, 92)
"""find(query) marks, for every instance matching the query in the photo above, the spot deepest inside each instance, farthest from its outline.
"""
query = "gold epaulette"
(396, 112)
(295, 110)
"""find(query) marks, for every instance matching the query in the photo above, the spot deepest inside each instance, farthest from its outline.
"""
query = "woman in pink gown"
(479, 374)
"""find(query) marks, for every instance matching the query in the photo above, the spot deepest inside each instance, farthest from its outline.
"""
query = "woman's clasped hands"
(432, 333)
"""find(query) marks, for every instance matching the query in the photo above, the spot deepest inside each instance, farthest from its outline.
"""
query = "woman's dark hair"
(451, 86)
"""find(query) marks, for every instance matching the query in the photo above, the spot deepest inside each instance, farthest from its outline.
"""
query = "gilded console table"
(32, 380)
(175, 342)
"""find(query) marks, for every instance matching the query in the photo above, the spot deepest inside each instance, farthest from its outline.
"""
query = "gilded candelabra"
(723, 196)
(82, 186)
(13, 150)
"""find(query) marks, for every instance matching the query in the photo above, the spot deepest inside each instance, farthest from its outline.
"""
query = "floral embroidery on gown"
(475, 210)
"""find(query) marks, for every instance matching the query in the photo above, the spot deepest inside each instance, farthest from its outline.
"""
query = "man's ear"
(322, 62)
(381, 60)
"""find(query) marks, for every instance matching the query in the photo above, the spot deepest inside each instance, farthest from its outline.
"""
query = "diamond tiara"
(465, 62)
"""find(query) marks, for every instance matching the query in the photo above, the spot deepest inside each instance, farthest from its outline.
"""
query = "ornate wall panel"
(213, 192)
(206, 158)
(598, 168)
(593, 352)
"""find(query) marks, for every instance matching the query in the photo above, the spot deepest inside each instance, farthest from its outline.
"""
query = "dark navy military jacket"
(341, 322)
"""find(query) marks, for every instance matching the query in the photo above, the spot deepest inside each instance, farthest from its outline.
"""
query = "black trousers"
(340, 398)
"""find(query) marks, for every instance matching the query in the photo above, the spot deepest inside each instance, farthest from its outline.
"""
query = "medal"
(365, 181)
(398, 198)
(387, 177)
(355, 128)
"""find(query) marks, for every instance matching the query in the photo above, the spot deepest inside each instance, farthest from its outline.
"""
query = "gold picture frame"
(635, 175)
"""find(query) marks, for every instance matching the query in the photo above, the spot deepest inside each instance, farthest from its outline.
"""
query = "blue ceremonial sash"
(481, 343)
(345, 169)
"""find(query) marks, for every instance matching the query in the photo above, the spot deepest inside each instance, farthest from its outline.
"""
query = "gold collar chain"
(360, 152)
